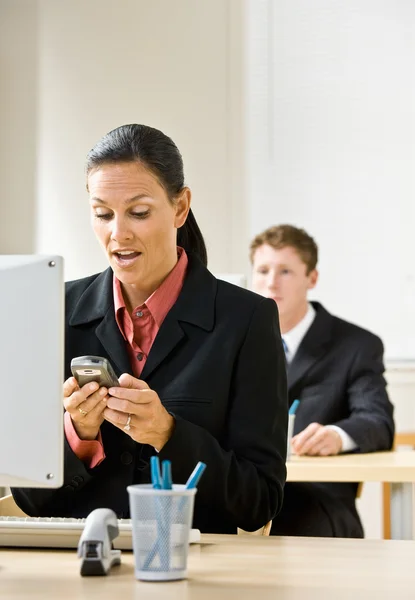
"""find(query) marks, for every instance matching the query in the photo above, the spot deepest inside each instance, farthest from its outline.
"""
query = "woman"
(200, 362)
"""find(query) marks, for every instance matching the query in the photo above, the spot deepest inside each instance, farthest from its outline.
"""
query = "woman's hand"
(139, 408)
(86, 406)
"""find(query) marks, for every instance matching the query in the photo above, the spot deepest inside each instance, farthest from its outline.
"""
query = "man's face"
(282, 275)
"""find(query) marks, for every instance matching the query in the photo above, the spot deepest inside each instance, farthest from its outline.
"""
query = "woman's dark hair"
(160, 155)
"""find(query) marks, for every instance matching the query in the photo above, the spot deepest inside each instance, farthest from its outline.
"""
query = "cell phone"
(94, 368)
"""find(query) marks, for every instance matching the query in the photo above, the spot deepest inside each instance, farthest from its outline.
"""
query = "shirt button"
(140, 356)
(139, 313)
(126, 458)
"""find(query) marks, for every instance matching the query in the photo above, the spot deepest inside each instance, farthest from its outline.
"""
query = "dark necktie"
(284, 345)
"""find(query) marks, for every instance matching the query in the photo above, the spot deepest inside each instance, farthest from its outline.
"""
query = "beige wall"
(104, 63)
(18, 82)
(71, 71)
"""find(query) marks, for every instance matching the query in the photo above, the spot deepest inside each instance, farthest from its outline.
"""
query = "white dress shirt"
(294, 337)
(292, 340)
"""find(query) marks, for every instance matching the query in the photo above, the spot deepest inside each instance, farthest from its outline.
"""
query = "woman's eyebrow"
(127, 201)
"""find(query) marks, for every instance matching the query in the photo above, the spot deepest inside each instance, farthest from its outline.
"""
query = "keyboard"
(55, 532)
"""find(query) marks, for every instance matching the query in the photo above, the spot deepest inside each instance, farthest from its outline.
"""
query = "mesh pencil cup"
(161, 523)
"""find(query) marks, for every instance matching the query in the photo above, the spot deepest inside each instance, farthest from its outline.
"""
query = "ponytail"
(191, 239)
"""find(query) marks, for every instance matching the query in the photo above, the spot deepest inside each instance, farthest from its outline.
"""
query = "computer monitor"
(31, 370)
(235, 278)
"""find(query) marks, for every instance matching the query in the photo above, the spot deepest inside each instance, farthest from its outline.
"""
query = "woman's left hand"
(135, 406)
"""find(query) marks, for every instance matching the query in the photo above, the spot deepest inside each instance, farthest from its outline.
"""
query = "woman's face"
(136, 223)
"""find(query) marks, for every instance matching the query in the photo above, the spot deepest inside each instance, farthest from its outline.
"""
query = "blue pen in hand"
(293, 407)
(290, 431)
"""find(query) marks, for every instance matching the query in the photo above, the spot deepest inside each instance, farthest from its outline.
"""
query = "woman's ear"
(182, 206)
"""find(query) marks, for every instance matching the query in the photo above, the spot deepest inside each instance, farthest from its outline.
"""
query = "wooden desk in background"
(227, 567)
(398, 468)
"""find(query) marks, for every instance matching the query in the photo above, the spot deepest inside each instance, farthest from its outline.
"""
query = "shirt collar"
(294, 337)
(163, 298)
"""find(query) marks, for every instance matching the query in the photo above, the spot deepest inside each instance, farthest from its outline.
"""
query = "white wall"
(172, 65)
(331, 148)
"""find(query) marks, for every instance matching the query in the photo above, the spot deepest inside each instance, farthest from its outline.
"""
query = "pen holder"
(161, 523)
(290, 431)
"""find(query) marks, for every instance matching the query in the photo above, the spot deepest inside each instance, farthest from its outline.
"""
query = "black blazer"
(337, 373)
(218, 365)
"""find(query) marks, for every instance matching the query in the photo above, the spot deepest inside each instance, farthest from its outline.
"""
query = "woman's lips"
(126, 260)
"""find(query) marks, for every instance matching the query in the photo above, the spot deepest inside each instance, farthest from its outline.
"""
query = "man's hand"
(317, 440)
(136, 406)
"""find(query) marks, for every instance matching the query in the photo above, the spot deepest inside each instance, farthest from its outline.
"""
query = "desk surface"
(227, 567)
(377, 466)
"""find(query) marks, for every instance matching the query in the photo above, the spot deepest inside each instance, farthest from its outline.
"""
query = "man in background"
(336, 371)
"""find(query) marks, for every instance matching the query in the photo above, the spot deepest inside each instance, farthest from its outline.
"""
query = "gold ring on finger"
(127, 425)
(83, 412)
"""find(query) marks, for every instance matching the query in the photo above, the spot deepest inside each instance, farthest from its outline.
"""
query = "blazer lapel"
(313, 346)
(110, 337)
(194, 305)
(97, 304)
(168, 337)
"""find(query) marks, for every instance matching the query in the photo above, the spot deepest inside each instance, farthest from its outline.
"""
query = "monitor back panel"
(31, 370)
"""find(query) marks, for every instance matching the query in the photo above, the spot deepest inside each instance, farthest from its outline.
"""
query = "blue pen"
(167, 484)
(195, 475)
(155, 472)
(192, 482)
(293, 407)
(166, 475)
(156, 480)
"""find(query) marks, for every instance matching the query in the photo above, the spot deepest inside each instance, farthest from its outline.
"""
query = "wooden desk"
(227, 567)
(398, 468)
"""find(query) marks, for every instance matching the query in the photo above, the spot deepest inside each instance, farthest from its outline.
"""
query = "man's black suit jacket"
(218, 365)
(337, 373)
